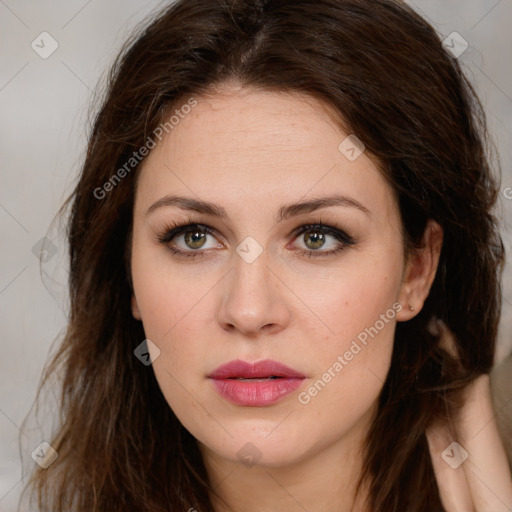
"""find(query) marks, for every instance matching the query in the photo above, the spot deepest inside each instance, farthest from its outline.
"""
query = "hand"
(469, 460)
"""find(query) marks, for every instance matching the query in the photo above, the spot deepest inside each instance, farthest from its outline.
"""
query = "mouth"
(256, 384)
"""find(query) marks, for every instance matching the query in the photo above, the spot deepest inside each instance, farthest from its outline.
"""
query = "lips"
(264, 369)
(255, 384)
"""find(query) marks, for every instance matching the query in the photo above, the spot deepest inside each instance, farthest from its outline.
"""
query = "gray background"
(45, 107)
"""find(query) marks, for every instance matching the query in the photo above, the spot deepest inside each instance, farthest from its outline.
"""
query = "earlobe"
(135, 308)
(420, 272)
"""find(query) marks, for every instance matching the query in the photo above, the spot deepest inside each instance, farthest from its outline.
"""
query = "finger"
(447, 461)
(487, 470)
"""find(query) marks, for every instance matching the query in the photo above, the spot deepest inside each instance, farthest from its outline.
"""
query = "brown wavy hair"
(384, 70)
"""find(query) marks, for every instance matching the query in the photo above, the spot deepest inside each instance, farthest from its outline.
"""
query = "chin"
(252, 449)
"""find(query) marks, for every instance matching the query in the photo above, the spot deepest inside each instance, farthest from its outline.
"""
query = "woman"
(284, 272)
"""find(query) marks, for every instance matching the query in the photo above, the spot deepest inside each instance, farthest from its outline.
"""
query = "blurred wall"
(46, 85)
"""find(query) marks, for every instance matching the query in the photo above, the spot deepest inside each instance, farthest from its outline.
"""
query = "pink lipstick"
(255, 384)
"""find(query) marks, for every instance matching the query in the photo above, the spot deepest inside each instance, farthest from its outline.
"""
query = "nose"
(254, 299)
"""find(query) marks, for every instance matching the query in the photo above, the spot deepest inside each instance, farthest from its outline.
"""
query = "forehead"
(248, 146)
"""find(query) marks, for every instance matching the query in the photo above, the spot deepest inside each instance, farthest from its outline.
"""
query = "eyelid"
(337, 233)
(177, 229)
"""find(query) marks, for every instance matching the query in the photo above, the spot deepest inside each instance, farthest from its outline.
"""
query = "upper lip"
(254, 370)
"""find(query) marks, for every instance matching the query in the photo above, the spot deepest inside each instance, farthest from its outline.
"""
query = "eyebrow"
(285, 212)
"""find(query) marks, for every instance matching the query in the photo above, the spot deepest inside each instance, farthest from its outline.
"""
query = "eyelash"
(174, 229)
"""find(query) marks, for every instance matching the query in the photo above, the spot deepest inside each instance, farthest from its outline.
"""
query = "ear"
(135, 309)
(420, 272)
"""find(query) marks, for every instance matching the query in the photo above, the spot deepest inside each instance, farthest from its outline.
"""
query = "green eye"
(316, 237)
(317, 240)
(195, 239)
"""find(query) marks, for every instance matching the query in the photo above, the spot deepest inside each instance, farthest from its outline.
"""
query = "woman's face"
(250, 291)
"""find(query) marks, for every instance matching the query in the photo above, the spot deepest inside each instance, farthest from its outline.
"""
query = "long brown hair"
(385, 71)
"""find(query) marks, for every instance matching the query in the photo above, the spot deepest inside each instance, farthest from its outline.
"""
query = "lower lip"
(256, 394)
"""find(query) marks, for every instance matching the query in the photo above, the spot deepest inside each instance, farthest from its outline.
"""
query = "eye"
(316, 237)
(187, 240)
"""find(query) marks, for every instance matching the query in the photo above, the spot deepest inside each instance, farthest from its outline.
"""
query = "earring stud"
(411, 308)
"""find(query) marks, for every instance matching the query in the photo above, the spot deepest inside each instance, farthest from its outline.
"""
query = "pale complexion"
(251, 152)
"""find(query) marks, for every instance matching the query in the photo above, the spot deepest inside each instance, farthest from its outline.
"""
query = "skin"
(251, 152)
(482, 481)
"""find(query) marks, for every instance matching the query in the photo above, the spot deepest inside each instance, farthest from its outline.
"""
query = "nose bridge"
(252, 300)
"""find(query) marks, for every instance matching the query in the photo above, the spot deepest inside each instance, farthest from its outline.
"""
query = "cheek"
(170, 298)
(351, 365)
(352, 358)
(178, 323)
(174, 319)
(361, 315)
(351, 302)
(173, 307)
